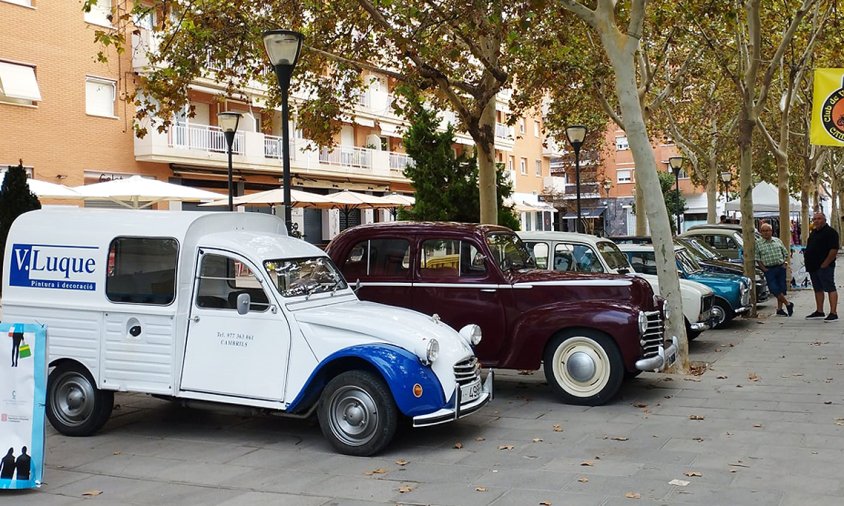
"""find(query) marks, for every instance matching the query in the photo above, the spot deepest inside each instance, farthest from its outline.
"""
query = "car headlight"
(433, 351)
(643, 322)
(472, 334)
(666, 311)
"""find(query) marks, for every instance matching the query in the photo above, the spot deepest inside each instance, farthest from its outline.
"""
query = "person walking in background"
(7, 465)
(821, 248)
(771, 256)
(16, 333)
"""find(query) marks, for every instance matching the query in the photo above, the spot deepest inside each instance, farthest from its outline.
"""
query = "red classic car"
(590, 330)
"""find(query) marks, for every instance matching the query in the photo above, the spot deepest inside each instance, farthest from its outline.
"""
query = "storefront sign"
(23, 384)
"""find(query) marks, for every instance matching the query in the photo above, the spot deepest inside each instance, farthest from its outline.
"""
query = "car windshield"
(615, 259)
(687, 262)
(293, 277)
(509, 251)
(699, 249)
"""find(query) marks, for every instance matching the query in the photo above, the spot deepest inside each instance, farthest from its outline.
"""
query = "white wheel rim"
(581, 349)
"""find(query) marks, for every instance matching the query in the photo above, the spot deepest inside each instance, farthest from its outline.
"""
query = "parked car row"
(224, 309)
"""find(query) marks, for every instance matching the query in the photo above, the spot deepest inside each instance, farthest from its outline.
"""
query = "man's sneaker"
(780, 312)
(816, 314)
(831, 317)
(790, 308)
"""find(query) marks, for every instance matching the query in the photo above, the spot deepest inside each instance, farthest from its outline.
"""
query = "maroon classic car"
(590, 330)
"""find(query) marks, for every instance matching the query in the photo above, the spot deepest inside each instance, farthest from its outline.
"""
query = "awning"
(586, 212)
(18, 81)
(389, 130)
(364, 121)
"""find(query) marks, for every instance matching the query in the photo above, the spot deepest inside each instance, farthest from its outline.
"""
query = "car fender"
(399, 368)
(534, 328)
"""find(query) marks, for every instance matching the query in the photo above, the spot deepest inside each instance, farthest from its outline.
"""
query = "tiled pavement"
(764, 425)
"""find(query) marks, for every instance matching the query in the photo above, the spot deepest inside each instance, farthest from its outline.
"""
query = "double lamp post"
(575, 135)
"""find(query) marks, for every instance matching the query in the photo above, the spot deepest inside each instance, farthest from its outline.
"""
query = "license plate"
(671, 359)
(471, 391)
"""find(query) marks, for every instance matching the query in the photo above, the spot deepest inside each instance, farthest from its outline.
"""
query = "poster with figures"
(799, 276)
(23, 384)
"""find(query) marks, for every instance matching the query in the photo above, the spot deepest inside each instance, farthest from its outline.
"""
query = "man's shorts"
(823, 279)
(776, 280)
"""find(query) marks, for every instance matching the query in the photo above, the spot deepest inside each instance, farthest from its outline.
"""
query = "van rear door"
(228, 353)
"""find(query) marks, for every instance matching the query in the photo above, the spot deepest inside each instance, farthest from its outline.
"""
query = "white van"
(225, 308)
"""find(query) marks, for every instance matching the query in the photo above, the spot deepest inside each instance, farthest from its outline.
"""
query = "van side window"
(142, 270)
(222, 279)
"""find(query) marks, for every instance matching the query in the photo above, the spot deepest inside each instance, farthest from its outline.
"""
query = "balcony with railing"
(205, 145)
(203, 138)
(505, 136)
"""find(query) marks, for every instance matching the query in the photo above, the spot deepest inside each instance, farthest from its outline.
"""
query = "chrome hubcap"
(581, 367)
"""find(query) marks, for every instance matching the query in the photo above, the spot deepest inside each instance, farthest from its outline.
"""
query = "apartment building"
(71, 125)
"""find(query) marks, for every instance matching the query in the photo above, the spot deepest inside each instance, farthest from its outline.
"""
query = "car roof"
(631, 239)
(643, 247)
(548, 235)
(717, 226)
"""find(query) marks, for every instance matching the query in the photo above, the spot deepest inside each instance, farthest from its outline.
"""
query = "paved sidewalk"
(763, 426)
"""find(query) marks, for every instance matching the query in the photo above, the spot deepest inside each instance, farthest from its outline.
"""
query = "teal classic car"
(732, 292)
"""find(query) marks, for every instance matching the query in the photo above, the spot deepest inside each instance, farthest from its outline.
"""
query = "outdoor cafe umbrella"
(43, 189)
(139, 192)
(347, 201)
(298, 198)
(400, 200)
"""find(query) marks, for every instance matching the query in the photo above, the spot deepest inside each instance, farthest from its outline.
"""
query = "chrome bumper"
(458, 410)
(700, 325)
(741, 310)
(664, 358)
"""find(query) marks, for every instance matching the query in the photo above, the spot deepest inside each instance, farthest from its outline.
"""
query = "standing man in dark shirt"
(821, 248)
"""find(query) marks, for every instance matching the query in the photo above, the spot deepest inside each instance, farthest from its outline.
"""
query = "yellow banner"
(828, 108)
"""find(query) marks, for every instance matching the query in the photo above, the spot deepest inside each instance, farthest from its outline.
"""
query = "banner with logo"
(799, 276)
(23, 391)
(828, 108)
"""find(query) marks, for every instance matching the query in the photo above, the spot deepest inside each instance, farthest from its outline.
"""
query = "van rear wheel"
(75, 406)
(357, 413)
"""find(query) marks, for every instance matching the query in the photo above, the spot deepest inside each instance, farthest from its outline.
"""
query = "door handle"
(488, 290)
(195, 318)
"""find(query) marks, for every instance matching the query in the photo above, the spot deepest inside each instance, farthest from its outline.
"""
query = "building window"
(523, 166)
(100, 13)
(511, 163)
(682, 174)
(521, 125)
(538, 167)
(99, 97)
(18, 84)
(536, 128)
(145, 20)
(621, 143)
(625, 176)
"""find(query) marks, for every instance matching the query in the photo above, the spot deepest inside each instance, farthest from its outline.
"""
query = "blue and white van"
(213, 309)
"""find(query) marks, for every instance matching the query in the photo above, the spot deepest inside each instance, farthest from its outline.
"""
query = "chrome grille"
(467, 371)
(706, 307)
(654, 336)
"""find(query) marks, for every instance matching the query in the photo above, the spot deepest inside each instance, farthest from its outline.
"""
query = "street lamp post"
(228, 122)
(607, 186)
(676, 163)
(726, 176)
(575, 134)
(283, 48)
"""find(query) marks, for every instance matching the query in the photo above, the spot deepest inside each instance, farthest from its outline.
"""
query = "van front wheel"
(357, 413)
(75, 406)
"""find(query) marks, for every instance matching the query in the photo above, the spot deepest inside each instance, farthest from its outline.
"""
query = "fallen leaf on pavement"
(537, 440)
(693, 473)
(757, 425)
(679, 483)
(525, 372)
(640, 405)
(505, 447)
(380, 470)
(116, 453)
(92, 493)
(633, 495)
(722, 377)
(753, 376)
(827, 402)
(458, 445)
(401, 462)
(405, 489)
(583, 479)
(839, 421)
(696, 417)
(586, 463)
(480, 439)
(619, 438)
(544, 503)
(480, 489)
(558, 427)
(698, 439)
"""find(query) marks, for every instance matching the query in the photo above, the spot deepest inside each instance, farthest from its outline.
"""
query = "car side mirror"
(244, 300)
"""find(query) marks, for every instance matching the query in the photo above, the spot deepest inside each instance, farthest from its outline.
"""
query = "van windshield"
(304, 276)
